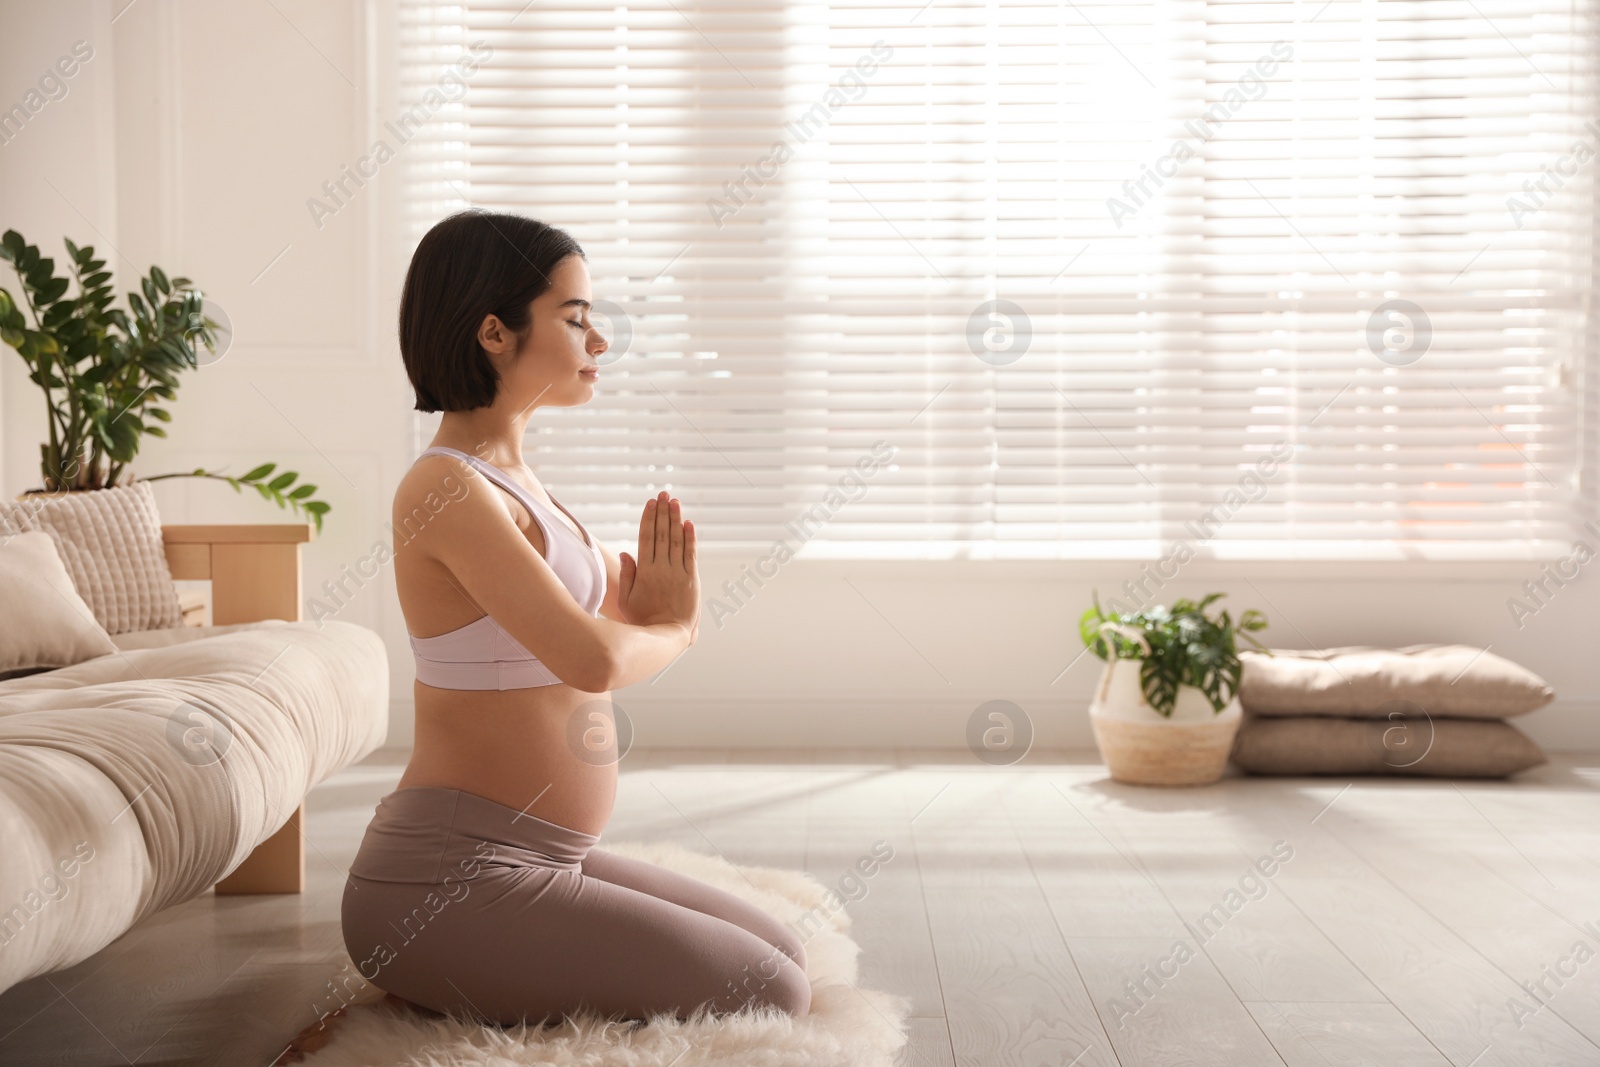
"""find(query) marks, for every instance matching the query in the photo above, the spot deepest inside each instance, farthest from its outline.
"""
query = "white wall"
(907, 654)
(57, 176)
(197, 147)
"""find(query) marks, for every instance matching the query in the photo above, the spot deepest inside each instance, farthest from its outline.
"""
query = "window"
(1275, 279)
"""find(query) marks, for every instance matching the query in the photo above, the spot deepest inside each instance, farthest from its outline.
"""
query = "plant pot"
(1143, 747)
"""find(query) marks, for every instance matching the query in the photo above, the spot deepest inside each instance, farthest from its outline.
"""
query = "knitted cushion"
(110, 541)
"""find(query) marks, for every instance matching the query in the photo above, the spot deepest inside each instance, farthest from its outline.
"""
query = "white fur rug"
(846, 1025)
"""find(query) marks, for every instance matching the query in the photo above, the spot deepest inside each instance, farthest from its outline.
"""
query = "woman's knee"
(792, 945)
(793, 992)
(774, 980)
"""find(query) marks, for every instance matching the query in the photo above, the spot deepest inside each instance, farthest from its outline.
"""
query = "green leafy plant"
(107, 372)
(274, 490)
(1177, 646)
(103, 372)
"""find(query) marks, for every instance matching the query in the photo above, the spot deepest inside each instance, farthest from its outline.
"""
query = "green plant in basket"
(1178, 646)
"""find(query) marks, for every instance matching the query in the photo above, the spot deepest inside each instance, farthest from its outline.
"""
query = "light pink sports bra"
(481, 654)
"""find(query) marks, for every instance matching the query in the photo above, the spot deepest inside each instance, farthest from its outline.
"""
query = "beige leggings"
(471, 908)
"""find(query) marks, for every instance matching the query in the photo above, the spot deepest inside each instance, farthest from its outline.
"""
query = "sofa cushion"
(155, 772)
(47, 623)
(1359, 681)
(1449, 748)
(110, 541)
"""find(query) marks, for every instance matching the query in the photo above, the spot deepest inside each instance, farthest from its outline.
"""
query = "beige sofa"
(135, 781)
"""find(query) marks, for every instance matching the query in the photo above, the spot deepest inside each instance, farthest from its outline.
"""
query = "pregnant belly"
(551, 751)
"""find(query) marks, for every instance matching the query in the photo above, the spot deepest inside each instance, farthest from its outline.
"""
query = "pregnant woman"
(478, 890)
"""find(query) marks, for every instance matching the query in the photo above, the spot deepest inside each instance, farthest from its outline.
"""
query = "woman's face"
(556, 362)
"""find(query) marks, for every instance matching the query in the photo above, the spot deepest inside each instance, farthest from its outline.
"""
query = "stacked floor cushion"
(1437, 710)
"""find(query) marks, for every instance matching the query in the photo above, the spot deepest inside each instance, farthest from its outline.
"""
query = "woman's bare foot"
(316, 1036)
(309, 1040)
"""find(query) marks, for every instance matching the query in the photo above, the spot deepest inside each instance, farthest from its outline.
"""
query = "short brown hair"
(470, 265)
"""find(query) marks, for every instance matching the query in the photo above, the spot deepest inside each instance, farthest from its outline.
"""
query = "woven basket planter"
(1143, 747)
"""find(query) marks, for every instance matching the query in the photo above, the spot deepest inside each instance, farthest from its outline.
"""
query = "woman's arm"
(492, 562)
(610, 607)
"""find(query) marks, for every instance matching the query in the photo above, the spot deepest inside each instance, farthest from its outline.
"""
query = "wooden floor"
(1036, 915)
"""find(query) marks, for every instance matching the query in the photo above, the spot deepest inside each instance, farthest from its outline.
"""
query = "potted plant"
(106, 372)
(1166, 709)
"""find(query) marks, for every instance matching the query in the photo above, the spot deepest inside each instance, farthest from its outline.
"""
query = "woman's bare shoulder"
(435, 484)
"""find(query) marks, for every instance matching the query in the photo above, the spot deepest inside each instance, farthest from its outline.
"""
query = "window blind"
(1054, 279)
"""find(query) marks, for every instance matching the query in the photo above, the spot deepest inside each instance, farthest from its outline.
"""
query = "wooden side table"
(254, 573)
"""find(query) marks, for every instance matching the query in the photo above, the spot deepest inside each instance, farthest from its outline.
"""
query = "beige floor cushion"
(110, 541)
(1456, 681)
(46, 622)
(1447, 748)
